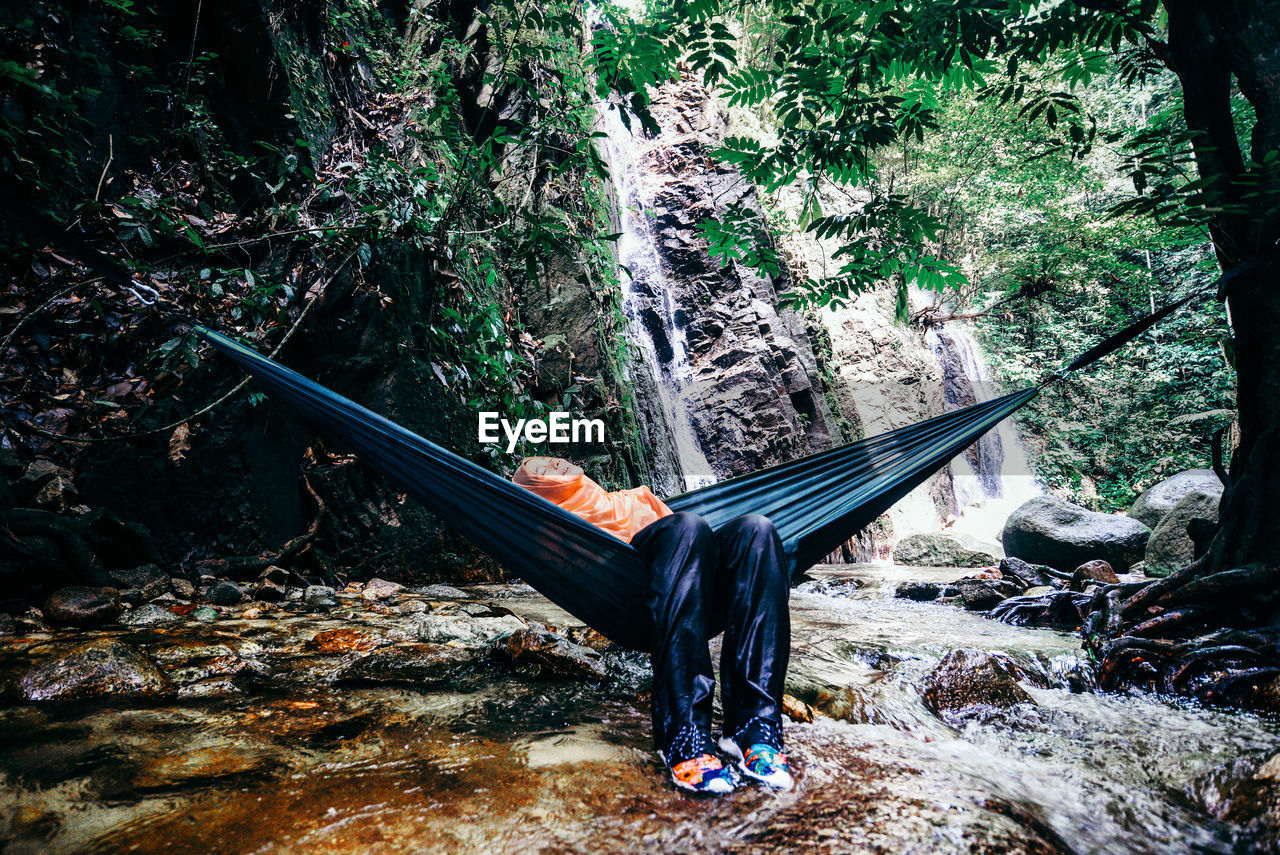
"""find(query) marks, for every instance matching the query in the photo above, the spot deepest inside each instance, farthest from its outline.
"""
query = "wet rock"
(441, 592)
(1030, 575)
(319, 597)
(797, 710)
(412, 664)
(968, 678)
(149, 614)
(267, 591)
(82, 606)
(1171, 546)
(1255, 804)
(443, 628)
(919, 591)
(140, 584)
(978, 595)
(214, 687)
(343, 641)
(1046, 608)
(1048, 530)
(103, 667)
(1093, 571)
(938, 550)
(182, 589)
(215, 760)
(549, 655)
(1152, 506)
(205, 614)
(7, 624)
(380, 589)
(57, 494)
(1038, 590)
(275, 575)
(224, 592)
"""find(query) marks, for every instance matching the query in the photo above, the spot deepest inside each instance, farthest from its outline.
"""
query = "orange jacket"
(621, 513)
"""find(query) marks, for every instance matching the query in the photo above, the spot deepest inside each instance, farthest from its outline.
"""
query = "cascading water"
(647, 303)
(993, 477)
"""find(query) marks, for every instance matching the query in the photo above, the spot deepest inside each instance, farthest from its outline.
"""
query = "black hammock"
(816, 502)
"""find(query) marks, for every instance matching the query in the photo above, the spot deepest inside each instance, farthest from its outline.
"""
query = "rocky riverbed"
(484, 719)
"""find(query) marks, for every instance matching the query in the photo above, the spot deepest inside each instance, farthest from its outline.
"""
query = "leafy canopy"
(839, 81)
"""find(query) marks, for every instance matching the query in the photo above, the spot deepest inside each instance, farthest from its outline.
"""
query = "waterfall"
(994, 476)
(648, 305)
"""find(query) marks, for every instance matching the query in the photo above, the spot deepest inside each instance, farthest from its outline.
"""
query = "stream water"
(494, 759)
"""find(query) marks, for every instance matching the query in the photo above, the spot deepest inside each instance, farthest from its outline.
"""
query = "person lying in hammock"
(732, 580)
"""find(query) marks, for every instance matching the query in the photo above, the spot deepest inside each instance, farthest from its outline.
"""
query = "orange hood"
(621, 513)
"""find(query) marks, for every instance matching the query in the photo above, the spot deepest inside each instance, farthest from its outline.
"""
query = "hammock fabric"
(816, 503)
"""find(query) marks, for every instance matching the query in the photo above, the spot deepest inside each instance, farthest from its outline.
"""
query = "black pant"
(732, 580)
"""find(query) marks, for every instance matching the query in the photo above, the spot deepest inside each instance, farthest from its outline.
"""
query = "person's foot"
(694, 765)
(757, 748)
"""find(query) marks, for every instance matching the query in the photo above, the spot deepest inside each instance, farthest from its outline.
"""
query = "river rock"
(938, 550)
(7, 624)
(978, 595)
(1048, 530)
(921, 592)
(1255, 803)
(267, 591)
(102, 667)
(380, 589)
(1152, 506)
(149, 614)
(441, 592)
(182, 589)
(140, 584)
(214, 760)
(412, 664)
(1171, 547)
(205, 614)
(550, 655)
(968, 678)
(1093, 571)
(224, 592)
(82, 606)
(319, 597)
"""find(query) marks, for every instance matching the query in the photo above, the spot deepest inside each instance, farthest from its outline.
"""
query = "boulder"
(978, 595)
(380, 589)
(149, 614)
(182, 589)
(968, 678)
(82, 606)
(1171, 546)
(550, 655)
(415, 664)
(103, 667)
(140, 584)
(1048, 530)
(938, 550)
(224, 592)
(319, 597)
(1093, 571)
(1152, 506)
(919, 591)
(267, 591)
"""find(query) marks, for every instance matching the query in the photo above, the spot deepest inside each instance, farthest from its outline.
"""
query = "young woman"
(731, 580)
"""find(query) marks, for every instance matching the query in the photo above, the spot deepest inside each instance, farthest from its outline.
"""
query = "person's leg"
(681, 549)
(757, 635)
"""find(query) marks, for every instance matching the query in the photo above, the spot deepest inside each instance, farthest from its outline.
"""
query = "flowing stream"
(497, 758)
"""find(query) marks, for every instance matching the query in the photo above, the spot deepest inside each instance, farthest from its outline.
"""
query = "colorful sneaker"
(762, 757)
(694, 764)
